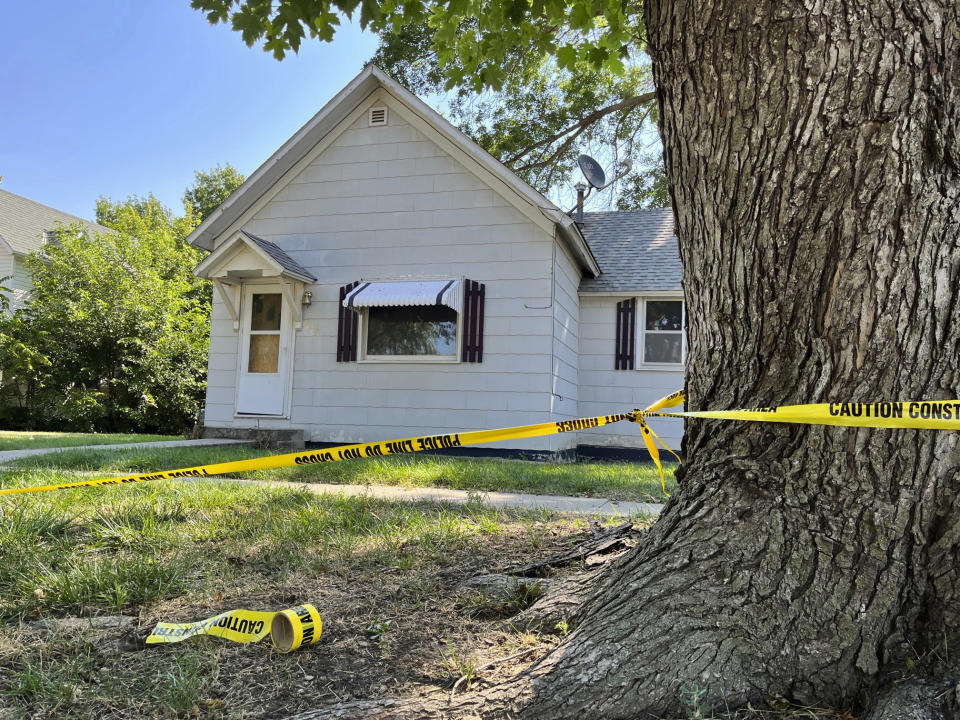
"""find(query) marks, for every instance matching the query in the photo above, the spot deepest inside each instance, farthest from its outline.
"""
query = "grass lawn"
(616, 480)
(85, 575)
(383, 575)
(10, 440)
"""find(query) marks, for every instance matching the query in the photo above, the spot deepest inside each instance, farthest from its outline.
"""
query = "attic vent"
(51, 236)
(378, 116)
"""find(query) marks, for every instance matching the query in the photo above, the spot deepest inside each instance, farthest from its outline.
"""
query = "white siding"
(566, 339)
(604, 390)
(6, 268)
(19, 282)
(386, 202)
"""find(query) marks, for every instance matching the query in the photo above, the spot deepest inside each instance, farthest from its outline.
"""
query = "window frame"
(278, 333)
(641, 363)
(364, 357)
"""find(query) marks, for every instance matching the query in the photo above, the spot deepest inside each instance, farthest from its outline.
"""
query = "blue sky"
(121, 97)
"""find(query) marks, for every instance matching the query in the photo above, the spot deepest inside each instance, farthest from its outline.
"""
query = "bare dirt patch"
(404, 627)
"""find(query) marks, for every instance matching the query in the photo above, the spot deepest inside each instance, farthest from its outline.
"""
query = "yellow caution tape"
(932, 415)
(650, 438)
(917, 415)
(346, 452)
(289, 629)
(920, 415)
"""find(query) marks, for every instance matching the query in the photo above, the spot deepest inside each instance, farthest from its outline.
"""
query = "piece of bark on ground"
(607, 541)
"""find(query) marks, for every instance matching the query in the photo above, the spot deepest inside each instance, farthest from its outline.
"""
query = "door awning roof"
(406, 293)
(247, 256)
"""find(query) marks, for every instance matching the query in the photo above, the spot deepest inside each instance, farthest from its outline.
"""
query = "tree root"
(487, 666)
(917, 700)
(533, 601)
(555, 610)
(494, 702)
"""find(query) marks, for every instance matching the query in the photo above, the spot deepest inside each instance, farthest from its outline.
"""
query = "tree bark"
(815, 156)
(813, 150)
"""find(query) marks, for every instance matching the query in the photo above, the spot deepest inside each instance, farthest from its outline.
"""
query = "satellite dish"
(592, 171)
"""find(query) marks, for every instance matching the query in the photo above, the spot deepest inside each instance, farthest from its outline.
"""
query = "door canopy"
(247, 256)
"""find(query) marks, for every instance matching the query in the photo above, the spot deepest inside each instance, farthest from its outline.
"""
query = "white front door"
(265, 351)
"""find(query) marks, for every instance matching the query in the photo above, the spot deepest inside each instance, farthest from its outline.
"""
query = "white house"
(24, 226)
(382, 276)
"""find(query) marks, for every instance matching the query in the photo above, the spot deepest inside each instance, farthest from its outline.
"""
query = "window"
(403, 320)
(420, 330)
(265, 311)
(662, 332)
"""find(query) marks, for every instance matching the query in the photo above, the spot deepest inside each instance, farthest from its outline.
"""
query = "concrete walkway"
(8, 455)
(557, 503)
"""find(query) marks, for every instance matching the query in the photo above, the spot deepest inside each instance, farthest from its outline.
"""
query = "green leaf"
(567, 57)
(615, 65)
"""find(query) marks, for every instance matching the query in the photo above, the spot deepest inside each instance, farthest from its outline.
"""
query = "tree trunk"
(813, 150)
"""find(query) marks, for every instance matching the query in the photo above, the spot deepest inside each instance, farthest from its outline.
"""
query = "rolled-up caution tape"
(289, 629)
(930, 415)
(295, 627)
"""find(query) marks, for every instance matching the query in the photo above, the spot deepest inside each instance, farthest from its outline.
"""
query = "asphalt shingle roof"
(22, 222)
(636, 249)
(274, 251)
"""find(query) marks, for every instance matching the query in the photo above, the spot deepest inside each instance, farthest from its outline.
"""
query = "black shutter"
(626, 334)
(347, 325)
(472, 329)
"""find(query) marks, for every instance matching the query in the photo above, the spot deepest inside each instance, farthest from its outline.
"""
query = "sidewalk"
(557, 503)
(8, 455)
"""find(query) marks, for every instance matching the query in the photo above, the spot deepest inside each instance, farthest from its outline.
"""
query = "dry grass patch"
(85, 574)
(384, 576)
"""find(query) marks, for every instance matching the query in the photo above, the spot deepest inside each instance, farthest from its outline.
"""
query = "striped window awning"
(406, 293)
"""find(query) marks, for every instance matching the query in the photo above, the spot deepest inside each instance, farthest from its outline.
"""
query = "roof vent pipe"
(581, 188)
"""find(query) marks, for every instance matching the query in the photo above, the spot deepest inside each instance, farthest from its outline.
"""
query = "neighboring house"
(382, 276)
(24, 226)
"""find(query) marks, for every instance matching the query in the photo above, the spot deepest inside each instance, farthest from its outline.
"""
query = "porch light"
(307, 298)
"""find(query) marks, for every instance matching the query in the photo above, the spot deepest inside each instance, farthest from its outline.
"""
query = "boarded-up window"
(264, 354)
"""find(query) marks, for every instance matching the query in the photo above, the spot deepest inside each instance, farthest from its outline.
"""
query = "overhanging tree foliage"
(813, 154)
(543, 115)
(537, 113)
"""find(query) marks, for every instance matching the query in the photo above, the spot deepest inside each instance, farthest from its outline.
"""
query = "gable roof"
(331, 115)
(22, 222)
(637, 250)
